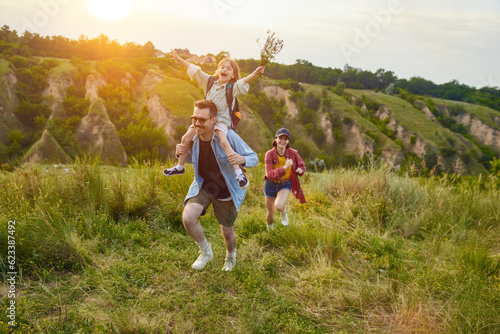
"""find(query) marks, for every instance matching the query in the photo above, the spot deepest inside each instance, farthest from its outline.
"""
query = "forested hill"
(62, 99)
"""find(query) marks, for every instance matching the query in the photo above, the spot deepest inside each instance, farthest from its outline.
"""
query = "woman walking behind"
(283, 167)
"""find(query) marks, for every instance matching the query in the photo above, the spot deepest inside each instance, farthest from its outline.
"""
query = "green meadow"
(102, 250)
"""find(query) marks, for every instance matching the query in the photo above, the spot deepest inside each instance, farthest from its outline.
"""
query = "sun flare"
(109, 10)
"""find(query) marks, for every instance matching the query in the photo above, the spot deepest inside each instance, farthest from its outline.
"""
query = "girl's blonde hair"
(234, 65)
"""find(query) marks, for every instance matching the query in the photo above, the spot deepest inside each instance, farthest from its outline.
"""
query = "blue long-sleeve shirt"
(227, 170)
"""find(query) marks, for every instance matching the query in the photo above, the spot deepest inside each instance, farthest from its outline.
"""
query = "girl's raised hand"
(174, 56)
(250, 77)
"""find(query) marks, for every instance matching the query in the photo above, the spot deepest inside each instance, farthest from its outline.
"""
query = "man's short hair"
(206, 104)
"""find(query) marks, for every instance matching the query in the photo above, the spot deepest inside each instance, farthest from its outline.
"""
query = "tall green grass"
(102, 250)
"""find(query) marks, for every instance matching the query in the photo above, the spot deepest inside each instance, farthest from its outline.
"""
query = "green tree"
(27, 112)
(495, 166)
(339, 89)
(75, 106)
(312, 101)
(143, 140)
(221, 55)
(303, 149)
(16, 142)
(149, 49)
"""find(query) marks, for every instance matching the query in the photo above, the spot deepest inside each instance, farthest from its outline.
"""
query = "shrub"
(400, 143)
(142, 140)
(456, 110)
(27, 112)
(338, 135)
(296, 96)
(350, 160)
(312, 101)
(75, 106)
(447, 152)
(413, 139)
(304, 149)
(180, 130)
(371, 134)
(347, 120)
(23, 62)
(289, 84)
(339, 89)
(285, 84)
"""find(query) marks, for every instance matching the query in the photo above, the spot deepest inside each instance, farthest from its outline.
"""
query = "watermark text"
(224, 6)
(363, 37)
(48, 10)
(11, 272)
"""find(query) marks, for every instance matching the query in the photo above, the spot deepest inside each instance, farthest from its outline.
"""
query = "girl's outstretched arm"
(179, 59)
(252, 76)
(193, 71)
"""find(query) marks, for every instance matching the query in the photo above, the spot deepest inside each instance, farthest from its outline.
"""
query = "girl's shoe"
(173, 171)
(242, 181)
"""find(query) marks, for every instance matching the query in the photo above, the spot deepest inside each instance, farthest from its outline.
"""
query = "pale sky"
(439, 40)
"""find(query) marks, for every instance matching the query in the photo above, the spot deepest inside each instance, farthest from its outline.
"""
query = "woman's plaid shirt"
(276, 174)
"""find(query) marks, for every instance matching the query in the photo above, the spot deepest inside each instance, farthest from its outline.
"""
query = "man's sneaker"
(229, 263)
(270, 227)
(284, 218)
(172, 171)
(242, 181)
(202, 260)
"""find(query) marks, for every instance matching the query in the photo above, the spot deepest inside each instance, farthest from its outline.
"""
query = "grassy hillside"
(439, 141)
(149, 102)
(64, 67)
(347, 110)
(102, 250)
(7, 102)
(4, 69)
(485, 114)
(406, 115)
(178, 96)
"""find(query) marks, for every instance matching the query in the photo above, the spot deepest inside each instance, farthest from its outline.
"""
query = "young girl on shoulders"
(227, 71)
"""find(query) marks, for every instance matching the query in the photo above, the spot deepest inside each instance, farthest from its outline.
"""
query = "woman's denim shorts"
(271, 189)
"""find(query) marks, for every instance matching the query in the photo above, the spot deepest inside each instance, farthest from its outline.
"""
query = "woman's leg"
(281, 198)
(270, 210)
(280, 205)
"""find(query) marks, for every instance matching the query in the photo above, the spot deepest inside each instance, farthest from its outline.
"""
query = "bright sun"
(109, 10)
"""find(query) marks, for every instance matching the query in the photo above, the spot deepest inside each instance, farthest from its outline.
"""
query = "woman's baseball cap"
(281, 132)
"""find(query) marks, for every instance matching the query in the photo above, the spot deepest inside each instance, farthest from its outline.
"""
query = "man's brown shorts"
(224, 211)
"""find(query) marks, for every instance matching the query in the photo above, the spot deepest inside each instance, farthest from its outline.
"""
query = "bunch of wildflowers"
(271, 48)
